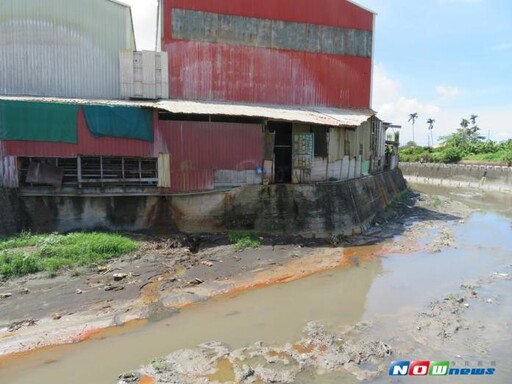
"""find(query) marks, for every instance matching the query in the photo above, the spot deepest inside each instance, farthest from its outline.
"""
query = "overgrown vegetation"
(243, 240)
(436, 202)
(402, 197)
(28, 253)
(24, 239)
(465, 144)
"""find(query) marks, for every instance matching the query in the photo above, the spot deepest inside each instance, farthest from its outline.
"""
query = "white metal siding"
(63, 48)
(144, 74)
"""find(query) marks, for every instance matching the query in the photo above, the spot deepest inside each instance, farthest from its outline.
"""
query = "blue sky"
(445, 59)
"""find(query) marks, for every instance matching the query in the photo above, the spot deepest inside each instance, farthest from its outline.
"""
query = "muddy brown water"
(388, 291)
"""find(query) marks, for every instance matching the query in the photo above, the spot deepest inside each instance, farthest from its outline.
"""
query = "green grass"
(53, 252)
(489, 152)
(243, 240)
(402, 197)
(436, 202)
(24, 239)
(502, 156)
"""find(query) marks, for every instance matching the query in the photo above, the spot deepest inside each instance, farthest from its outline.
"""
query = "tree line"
(466, 143)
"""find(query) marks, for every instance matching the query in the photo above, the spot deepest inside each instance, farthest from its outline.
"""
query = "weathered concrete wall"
(485, 177)
(12, 217)
(320, 209)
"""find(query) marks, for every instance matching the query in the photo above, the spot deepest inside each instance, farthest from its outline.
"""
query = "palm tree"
(413, 117)
(473, 119)
(464, 123)
(430, 123)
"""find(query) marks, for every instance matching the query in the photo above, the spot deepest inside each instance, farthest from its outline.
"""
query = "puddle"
(383, 288)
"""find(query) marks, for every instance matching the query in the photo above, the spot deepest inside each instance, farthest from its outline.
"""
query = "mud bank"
(397, 258)
(171, 273)
(317, 350)
(320, 209)
(363, 351)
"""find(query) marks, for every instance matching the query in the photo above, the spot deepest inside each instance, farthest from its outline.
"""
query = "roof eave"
(360, 6)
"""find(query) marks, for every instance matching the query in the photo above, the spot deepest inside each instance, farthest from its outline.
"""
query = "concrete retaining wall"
(321, 209)
(12, 217)
(485, 177)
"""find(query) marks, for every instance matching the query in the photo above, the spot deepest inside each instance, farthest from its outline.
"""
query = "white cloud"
(144, 20)
(394, 107)
(447, 92)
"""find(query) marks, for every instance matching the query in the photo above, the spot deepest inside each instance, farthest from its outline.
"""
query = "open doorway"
(282, 151)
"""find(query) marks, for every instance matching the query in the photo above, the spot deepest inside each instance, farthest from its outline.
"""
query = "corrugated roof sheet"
(312, 115)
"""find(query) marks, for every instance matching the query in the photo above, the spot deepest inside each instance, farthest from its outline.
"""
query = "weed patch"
(243, 240)
(54, 252)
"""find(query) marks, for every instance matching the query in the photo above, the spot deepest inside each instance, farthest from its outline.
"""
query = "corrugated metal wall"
(198, 149)
(301, 75)
(8, 172)
(66, 48)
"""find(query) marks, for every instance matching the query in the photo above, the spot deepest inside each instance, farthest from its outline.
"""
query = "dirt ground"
(170, 273)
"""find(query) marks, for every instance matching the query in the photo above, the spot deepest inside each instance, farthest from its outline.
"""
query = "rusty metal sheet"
(336, 13)
(335, 117)
(217, 28)
(240, 74)
(197, 149)
(259, 75)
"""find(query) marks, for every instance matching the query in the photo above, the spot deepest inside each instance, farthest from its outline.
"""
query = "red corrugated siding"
(204, 71)
(199, 148)
(87, 145)
(336, 13)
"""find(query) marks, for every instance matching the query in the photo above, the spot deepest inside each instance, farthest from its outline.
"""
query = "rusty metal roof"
(334, 117)
(312, 115)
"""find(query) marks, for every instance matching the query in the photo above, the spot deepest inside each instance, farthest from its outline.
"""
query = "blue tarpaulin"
(116, 121)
